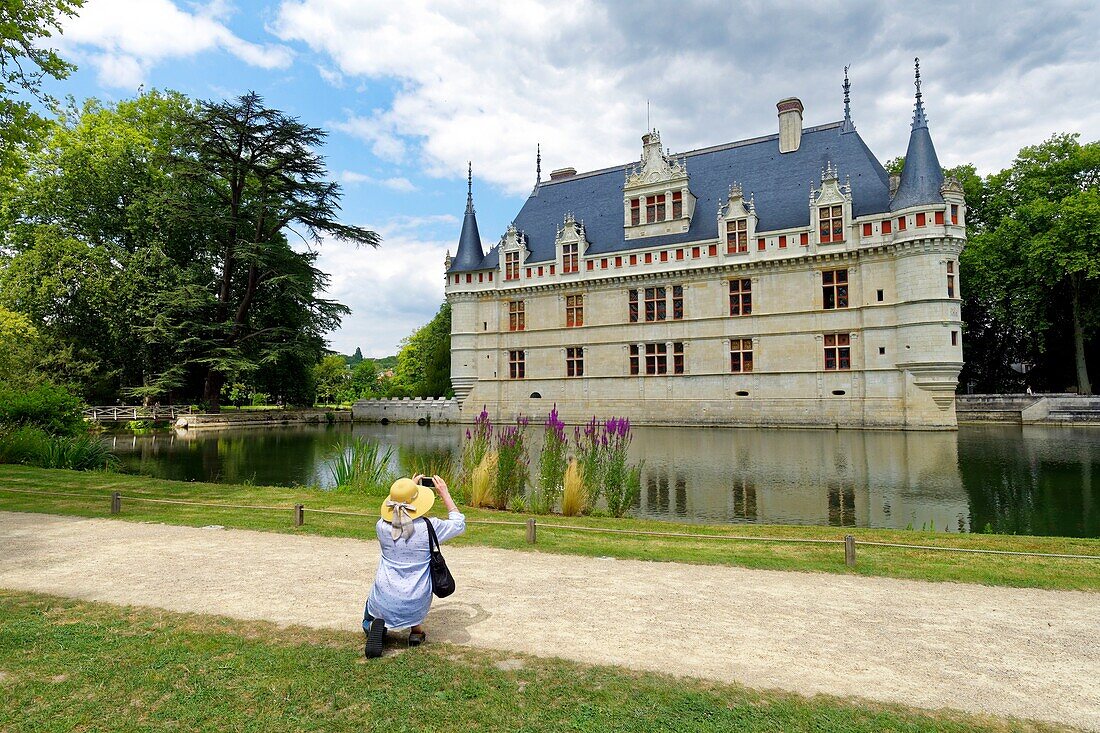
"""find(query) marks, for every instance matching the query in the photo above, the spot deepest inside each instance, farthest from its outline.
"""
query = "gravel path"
(1021, 652)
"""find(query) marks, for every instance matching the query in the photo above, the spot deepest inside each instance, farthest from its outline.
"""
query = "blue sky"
(410, 91)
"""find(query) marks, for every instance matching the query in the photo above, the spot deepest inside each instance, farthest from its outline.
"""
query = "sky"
(410, 91)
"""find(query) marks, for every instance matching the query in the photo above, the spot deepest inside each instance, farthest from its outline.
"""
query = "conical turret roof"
(470, 254)
(922, 176)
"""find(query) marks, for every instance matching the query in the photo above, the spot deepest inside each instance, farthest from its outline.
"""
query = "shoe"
(417, 638)
(376, 638)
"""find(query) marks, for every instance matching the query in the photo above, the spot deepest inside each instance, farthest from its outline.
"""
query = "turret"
(470, 254)
(922, 177)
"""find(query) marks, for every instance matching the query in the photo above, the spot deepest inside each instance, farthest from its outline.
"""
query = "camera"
(427, 481)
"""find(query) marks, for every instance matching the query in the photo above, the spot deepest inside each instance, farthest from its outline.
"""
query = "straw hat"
(406, 491)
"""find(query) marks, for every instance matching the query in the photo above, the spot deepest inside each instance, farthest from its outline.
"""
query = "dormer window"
(656, 196)
(511, 265)
(570, 262)
(737, 236)
(831, 223)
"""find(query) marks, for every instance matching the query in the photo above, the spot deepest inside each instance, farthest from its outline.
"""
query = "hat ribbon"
(402, 524)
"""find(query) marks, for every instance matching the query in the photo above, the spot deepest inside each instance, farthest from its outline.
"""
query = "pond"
(1005, 479)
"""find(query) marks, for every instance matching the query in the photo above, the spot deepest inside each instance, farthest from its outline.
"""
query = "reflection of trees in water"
(842, 505)
(1037, 482)
(744, 499)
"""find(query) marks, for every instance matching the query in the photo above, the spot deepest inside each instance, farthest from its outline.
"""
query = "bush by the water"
(35, 447)
(46, 406)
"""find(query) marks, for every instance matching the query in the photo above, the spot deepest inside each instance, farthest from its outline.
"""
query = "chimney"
(895, 181)
(561, 173)
(790, 124)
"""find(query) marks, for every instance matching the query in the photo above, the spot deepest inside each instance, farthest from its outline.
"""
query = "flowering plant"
(476, 445)
(618, 481)
(552, 463)
(512, 464)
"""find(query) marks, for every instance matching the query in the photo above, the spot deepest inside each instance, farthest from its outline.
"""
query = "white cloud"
(396, 183)
(392, 290)
(485, 80)
(123, 39)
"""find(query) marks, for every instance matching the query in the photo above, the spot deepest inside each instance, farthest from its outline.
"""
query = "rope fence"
(298, 512)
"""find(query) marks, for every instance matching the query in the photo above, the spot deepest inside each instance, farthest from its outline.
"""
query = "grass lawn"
(879, 561)
(75, 666)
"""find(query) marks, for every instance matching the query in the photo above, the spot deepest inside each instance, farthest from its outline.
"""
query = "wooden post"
(531, 531)
(299, 515)
(116, 502)
(850, 551)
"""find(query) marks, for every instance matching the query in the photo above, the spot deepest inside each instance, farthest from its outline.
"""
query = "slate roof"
(921, 177)
(780, 183)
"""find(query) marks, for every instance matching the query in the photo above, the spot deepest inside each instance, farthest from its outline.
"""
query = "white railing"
(116, 413)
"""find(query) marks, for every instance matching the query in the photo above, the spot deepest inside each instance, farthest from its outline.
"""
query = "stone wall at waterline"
(261, 418)
(407, 409)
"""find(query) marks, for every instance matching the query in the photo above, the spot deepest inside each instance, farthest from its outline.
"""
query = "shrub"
(46, 406)
(574, 498)
(476, 445)
(35, 447)
(617, 489)
(482, 481)
(512, 465)
(552, 462)
(587, 441)
(362, 466)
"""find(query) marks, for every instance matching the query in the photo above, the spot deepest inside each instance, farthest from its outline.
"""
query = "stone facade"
(881, 283)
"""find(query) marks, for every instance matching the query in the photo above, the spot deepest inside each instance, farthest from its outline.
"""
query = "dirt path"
(1027, 653)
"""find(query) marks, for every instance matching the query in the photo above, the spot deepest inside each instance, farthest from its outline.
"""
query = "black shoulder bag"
(443, 584)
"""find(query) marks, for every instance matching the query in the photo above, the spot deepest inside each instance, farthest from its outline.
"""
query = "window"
(654, 208)
(574, 310)
(830, 220)
(939, 217)
(950, 279)
(887, 226)
(737, 236)
(516, 317)
(760, 244)
(516, 367)
(655, 308)
(511, 265)
(678, 357)
(901, 223)
(922, 219)
(867, 230)
(677, 302)
(954, 213)
(574, 361)
(782, 241)
(880, 294)
(632, 308)
(569, 259)
(834, 289)
(740, 356)
(741, 297)
(656, 358)
(804, 239)
(954, 338)
(677, 205)
(838, 351)
(634, 358)
(635, 212)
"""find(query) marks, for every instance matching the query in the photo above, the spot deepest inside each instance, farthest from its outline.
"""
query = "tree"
(355, 358)
(331, 376)
(424, 362)
(25, 62)
(262, 176)
(19, 350)
(364, 379)
(1040, 252)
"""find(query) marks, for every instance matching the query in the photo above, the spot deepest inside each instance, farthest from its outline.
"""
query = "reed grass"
(34, 447)
(483, 481)
(363, 466)
(574, 497)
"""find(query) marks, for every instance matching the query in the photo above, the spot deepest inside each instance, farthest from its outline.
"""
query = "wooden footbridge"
(119, 413)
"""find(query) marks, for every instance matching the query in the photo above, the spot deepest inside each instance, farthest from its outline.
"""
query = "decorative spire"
(538, 163)
(848, 126)
(469, 187)
(919, 120)
(469, 254)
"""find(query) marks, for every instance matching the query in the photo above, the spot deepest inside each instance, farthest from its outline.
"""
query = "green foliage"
(25, 62)
(19, 350)
(1032, 265)
(331, 377)
(362, 466)
(46, 406)
(552, 462)
(424, 362)
(33, 446)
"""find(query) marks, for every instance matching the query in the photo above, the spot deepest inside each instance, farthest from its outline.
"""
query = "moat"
(1006, 479)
